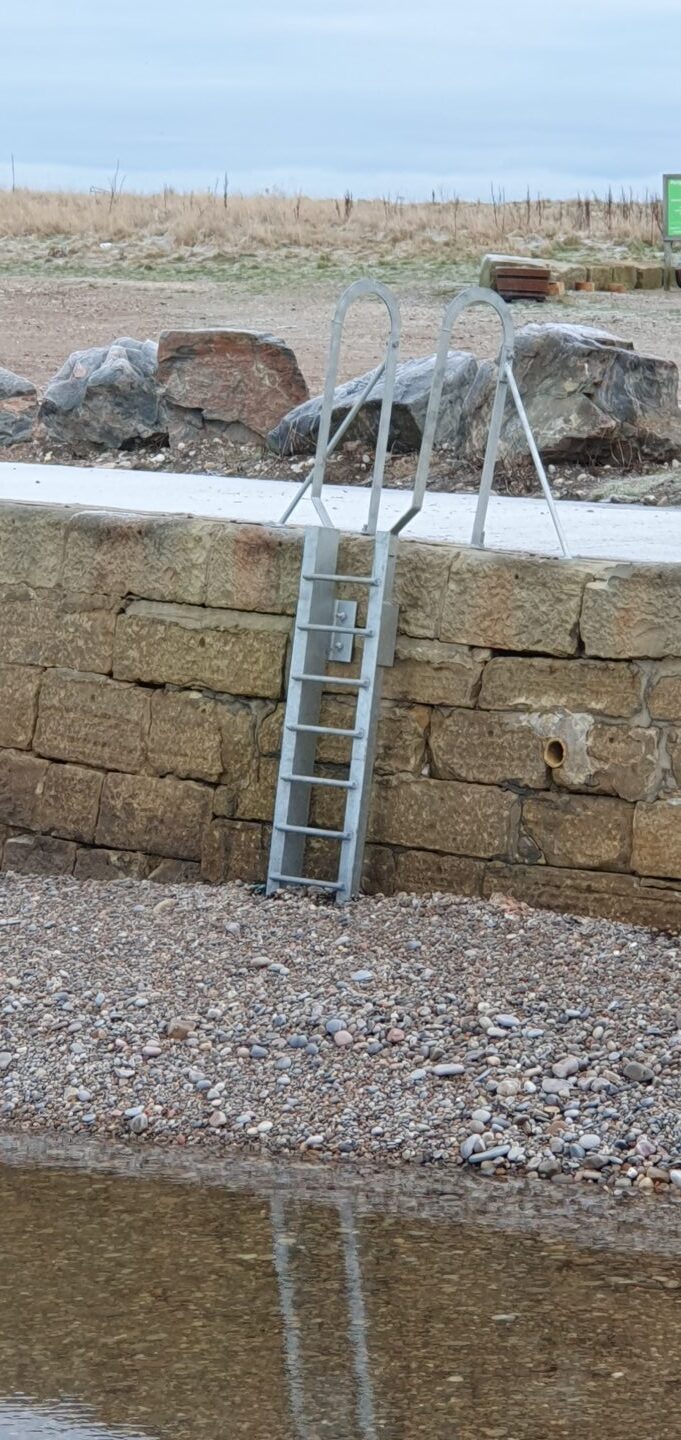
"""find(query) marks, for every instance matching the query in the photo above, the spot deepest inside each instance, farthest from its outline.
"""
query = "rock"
(150, 1051)
(5, 1060)
(18, 408)
(139, 1123)
(675, 1177)
(640, 1074)
(180, 1029)
(507, 1022)
(444, 1072)
(590, 1142)
(472, 1145)
(491, 263)
(217, 1119)
(234, 383)
(297, 432)
(395, 1036)
(495, 1152)
(585, 392)
(107, 396)
(342, 1038)
(563, 1069)
(362, 977)
(554, 1087)
(506, 1089)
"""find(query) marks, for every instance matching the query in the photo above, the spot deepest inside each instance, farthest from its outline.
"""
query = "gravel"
(411, 1030)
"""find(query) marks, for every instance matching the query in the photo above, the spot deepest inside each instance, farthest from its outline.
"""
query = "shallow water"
(153, 1307)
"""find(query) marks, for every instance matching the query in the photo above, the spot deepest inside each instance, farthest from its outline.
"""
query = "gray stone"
(258, 1052)
(639, 1073)
(362, 977)
(297, 433)
(5, 1060)
(675, 1177)
(18, 408)
(107, 396)
(507, 1022)
(586, 393)
(564, 1068)
(472, 1145)
(495, 1152)
(554, 1087)
(139, 1123)
(590, 1142)
(444, 1072)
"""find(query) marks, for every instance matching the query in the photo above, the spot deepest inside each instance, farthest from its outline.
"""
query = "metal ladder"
(325, 625)
(325, 631)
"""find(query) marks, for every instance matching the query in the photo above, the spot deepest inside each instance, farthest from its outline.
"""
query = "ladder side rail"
(537, 461)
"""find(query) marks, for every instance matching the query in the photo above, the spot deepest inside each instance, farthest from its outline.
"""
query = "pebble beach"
(413, 1031)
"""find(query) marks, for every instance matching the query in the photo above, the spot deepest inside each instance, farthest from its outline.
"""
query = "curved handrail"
(476, 295)
(326, 443)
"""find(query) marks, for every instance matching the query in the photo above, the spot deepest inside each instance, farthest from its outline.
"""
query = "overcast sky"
(378, 96)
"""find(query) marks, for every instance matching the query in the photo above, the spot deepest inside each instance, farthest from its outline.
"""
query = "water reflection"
(149, 1309)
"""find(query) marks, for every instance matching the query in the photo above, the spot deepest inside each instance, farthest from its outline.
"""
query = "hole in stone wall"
(554, 753)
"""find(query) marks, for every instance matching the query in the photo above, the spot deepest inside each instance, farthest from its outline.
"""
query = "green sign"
(672, 207)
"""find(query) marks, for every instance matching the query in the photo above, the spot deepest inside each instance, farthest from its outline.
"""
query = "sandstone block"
(253, 568)
(69, 803)
(39, 855)
(599, 687)
(255, 799)
(234, 850)
(492, 748)
(513, 602)
(633, 611)
(576, 831)
(50, 627)
(615, 759)
(153, 557)
(165, 817)
(624, 274)
(432, 673)
(664, 698)
(649, 277)
(443, 815)
(400, 741)
(378, 872)
(269, 731)
(31, 544)
(22, 780)
(657, 839)
(185, 737)
(19, 687)
(237, 383)
(421, 588)
(587, 892)
(108, 865)
(175, 872)
(226, 650)
(88, 718)
(423, 871)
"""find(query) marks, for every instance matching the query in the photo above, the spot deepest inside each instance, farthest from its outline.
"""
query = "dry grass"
(245, 224)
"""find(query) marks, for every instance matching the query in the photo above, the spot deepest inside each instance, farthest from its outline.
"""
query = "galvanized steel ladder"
(325, 626)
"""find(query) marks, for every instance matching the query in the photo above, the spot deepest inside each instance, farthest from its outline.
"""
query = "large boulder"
(297, 432)
(18, 408)
(587, 394)
(233, 383)
(107, 397)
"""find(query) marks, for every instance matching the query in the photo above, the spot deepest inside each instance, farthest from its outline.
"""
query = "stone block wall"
(530, 737)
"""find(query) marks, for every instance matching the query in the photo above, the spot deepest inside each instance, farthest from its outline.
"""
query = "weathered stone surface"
(664, 696)
(443, 815)
(576, 831)
(38, 855)
(69, 802)
(587, 892)
(166, 817)
(31, 544)
(254, 798)
(297, 433)
(599, 687)
(22, 779)
(432, 673)
(614, 759)
(378, 871)
(491, 263)
(234, 850)
(232, 651)
(649, 277)
(19, 687)
(176, 872)
(49, 627)
(108, 865)
(88, 718)
(513, 602)
(18, 408)
(106, 396)
(153, 557)
(657, 839)
(253, 568)
(185, 737)
(585, 393)
(235, 383)
(489, 748)
(633, 611)
(421, 577)
(400, 741)
(422, 871)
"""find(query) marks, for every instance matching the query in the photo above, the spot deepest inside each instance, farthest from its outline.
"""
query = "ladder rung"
(319, 780)
(304, 880)
(345, 579)
(326, 730)
(355, 683)
(339, 629)
(313, 830)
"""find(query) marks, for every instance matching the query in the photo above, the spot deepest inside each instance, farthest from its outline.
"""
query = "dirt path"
(42, 321)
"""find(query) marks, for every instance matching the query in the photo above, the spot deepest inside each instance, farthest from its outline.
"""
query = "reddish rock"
(237, 383)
